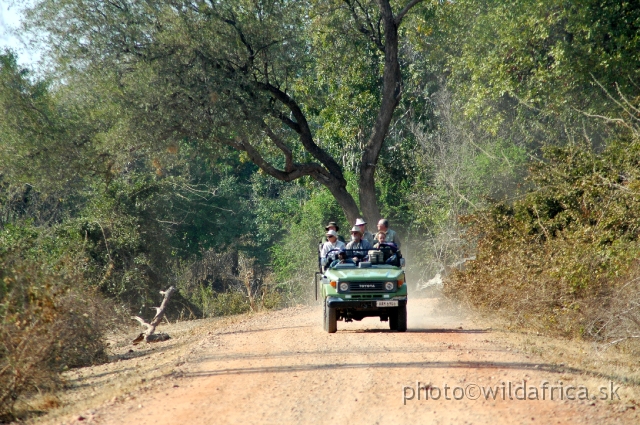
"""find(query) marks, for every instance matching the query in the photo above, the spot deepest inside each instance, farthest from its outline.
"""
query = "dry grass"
(48, 323)
(129, 371)
(562, 259)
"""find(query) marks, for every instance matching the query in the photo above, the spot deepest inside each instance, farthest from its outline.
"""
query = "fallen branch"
(149, 335)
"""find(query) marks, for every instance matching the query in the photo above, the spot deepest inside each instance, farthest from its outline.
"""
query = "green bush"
(557, 259)
(294, 247)
(229, 303)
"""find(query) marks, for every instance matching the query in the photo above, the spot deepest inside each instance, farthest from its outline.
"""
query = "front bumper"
(369, 304)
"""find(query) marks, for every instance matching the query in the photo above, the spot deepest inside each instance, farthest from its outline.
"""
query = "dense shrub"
(48, 322)
(228, 282)
(297, 217)
(560, 258)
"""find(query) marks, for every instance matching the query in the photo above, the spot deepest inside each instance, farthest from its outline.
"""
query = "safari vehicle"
(371, 285)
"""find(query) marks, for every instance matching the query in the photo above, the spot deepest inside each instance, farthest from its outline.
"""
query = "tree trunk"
(368, 198)
(345, 200)
(391, 92)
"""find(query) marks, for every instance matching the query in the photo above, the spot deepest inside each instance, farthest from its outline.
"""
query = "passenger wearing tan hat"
(357, 243)
(366, 235)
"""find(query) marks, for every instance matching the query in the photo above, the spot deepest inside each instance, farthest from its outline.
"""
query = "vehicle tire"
(393, 319)
(324, 317)
(330, 320)
(402, 319)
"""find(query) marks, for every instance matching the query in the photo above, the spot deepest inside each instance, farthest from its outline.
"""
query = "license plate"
(386, 303)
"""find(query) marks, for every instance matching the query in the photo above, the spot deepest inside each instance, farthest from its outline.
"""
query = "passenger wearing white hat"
(366, 235)
(332, 244)
(332, 225)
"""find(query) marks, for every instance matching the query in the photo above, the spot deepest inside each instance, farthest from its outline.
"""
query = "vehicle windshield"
(382, 257)
(354, 266)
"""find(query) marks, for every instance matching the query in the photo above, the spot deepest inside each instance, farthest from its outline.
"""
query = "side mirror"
(323, 262)
(402, 262)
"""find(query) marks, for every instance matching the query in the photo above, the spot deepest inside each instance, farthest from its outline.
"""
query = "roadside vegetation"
(144, 155)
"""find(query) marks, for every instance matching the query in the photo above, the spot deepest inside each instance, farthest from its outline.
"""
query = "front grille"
(366, 287)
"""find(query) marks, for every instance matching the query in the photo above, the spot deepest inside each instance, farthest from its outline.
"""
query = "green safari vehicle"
(370, 284)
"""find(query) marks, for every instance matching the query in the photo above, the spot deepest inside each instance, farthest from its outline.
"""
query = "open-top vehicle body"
(370, 284)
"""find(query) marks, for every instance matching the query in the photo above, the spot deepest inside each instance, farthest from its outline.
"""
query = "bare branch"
(148, 335)
(142, 322)
(602, 117)
(627, 107)
(296, 170)
(629, 104)
(619, 340)
(305, 131)
(160, 310)
(370, 32)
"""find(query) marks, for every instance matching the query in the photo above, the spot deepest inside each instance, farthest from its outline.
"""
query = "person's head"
(332, 226)
(356, 233)
(383, 225)
(332, 236)
(342, 255)
(361, 224)
(381, 237)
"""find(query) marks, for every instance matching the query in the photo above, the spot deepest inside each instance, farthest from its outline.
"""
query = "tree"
(229, 73)
(551, 58)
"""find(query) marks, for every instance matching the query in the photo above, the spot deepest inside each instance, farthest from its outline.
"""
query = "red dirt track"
(282, 368)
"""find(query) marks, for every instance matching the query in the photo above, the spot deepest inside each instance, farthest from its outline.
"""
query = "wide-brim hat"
(356, 229)
(332, 233)
(332, 223)
(360, 222)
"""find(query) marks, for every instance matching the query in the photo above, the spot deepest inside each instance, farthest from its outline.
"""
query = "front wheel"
(401, 320)
(393, 320)
(330, 320)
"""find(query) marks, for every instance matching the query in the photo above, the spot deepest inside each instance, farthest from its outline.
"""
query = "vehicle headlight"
(388, 286)
(344, 286)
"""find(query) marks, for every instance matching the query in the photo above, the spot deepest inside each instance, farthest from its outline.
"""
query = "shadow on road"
(249, 331)
(388, 365)
(419, 330)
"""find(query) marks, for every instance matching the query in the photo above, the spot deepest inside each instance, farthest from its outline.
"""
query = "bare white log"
(148, 335)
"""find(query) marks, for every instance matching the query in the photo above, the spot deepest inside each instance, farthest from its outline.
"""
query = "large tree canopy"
(555, 58)
(236, 74)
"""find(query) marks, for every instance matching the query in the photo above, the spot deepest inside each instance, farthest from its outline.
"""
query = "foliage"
(265, 79)
(551, 259)
(295, 256)
(548, 58)
(458, 167)
(220, 303)
(49, 321)
(207, 144)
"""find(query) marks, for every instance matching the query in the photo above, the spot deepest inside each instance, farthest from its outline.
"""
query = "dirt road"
(281, 368)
